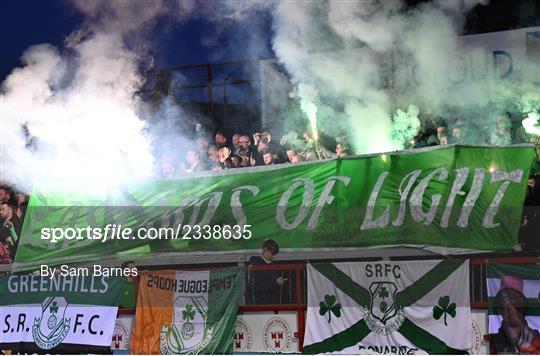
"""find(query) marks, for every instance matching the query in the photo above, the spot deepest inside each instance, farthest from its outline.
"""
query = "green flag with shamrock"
(407, 307)
(187, 312)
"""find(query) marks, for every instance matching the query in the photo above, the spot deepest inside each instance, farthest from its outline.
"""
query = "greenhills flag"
(187, 312)
(410, 307)
(514, 308)
(62, 314)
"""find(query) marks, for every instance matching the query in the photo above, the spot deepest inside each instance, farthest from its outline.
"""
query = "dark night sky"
(24, 23)
(27, 22)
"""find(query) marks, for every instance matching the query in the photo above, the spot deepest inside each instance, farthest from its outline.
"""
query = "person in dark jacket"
(10, 227)
(264, 286)
(530, 223)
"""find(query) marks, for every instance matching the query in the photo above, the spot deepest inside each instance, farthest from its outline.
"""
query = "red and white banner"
(122, 332)
(266, 332)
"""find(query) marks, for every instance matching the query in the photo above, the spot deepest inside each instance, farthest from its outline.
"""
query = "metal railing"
(222, 92)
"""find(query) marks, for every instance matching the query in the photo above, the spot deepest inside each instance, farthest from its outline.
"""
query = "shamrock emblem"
(383, 293)
(54, 307)
(327, 306)
(443, 308)
(189, 313)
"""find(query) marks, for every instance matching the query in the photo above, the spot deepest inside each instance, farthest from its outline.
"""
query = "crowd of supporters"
(237, 150)
(240, 150)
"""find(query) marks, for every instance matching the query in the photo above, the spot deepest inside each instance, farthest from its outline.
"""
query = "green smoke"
(530, 124)
(406, 126)
(530, 105)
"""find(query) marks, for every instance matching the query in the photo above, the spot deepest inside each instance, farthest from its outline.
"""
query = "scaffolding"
(222, 96)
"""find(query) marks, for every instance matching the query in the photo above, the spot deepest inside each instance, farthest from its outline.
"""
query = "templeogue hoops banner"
(514, 308)
(411, 307)
(449, 198)
(65, 314)
(181, 312)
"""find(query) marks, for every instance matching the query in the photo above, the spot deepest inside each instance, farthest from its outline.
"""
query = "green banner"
(448, 197)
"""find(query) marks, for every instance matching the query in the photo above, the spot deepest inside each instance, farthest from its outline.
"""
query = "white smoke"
(71, 120)
(125, 16)
(530, 106)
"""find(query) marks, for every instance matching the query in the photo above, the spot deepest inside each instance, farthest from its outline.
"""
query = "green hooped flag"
(59, 314)
(514, 308)
(447, 199)
(410, 307)
(183, 312)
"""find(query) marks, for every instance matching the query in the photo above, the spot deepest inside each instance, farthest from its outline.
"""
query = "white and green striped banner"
(410, 307)
(58, 314)
(514, 308)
